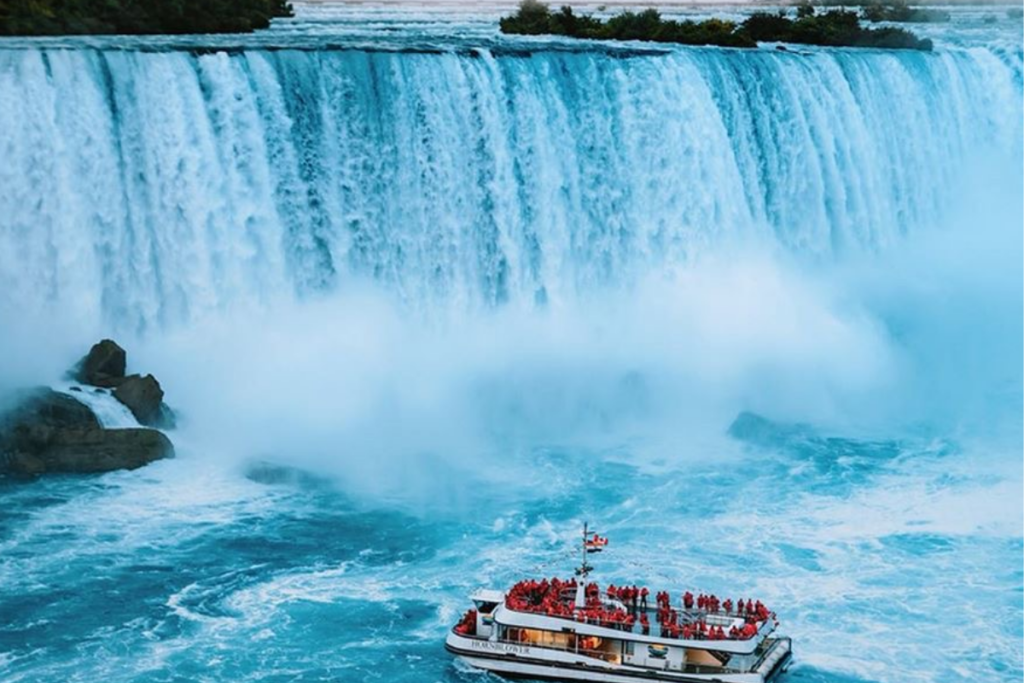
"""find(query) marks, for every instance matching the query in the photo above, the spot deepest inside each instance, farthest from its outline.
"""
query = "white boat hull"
(539, 663)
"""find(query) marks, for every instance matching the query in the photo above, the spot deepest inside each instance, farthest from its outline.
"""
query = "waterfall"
(145, 188)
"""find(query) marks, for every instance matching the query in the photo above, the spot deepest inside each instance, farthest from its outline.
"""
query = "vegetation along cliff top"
(834, 27)
(63, 17)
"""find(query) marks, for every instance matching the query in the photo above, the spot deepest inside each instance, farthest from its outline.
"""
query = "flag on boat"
(595, 543)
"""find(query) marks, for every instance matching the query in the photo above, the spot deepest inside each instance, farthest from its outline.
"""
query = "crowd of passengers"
(467, 625)
(556, 598)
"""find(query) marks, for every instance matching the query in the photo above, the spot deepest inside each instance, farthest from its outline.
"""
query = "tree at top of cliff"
(57, 17)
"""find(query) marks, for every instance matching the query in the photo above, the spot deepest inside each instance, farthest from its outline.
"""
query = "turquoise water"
(753, 315)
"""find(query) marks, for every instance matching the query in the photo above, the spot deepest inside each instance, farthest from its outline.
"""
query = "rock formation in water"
(144, 397)
(44, 431)
(105, 366)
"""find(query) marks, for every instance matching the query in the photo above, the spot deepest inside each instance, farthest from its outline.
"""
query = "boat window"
(559, 641)
(486, 607)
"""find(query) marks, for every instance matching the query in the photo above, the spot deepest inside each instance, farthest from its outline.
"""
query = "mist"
(355, 385)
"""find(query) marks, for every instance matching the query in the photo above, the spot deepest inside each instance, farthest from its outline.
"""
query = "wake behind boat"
(573, 630)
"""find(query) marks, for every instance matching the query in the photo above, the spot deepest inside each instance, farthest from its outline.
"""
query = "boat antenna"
(584, 568)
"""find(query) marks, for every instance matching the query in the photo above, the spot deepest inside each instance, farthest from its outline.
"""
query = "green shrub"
(765, 26)
(57, 17)
(533, 18)
(836, 27)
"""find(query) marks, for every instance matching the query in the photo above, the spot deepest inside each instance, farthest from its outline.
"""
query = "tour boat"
(572, 630)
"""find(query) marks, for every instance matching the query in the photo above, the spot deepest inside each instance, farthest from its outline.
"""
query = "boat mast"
(583, 570)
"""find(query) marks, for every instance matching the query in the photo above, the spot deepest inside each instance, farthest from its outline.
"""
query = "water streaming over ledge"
(149, 187)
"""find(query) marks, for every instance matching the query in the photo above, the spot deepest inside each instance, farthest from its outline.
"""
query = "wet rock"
(144, 397)
(272, 474)
(103, 366)
(44, 431)
(89, 451)
(34, 413)
(751, 427)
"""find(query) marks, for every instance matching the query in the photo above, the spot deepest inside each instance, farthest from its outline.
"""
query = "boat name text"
(501, 647)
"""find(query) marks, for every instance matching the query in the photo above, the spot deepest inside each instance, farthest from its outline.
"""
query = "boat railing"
(691, 616)
(765, 649)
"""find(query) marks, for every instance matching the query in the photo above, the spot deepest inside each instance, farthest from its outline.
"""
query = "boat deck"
(711, 620)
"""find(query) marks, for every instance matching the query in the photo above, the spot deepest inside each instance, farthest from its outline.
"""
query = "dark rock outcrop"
(103, 366)
(90, 451)
(144, 397)
(45, 431)
(272, 474)
(33, 414)
(754, 428)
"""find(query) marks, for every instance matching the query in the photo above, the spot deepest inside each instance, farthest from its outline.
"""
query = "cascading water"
(471, 290)
(148, 187)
